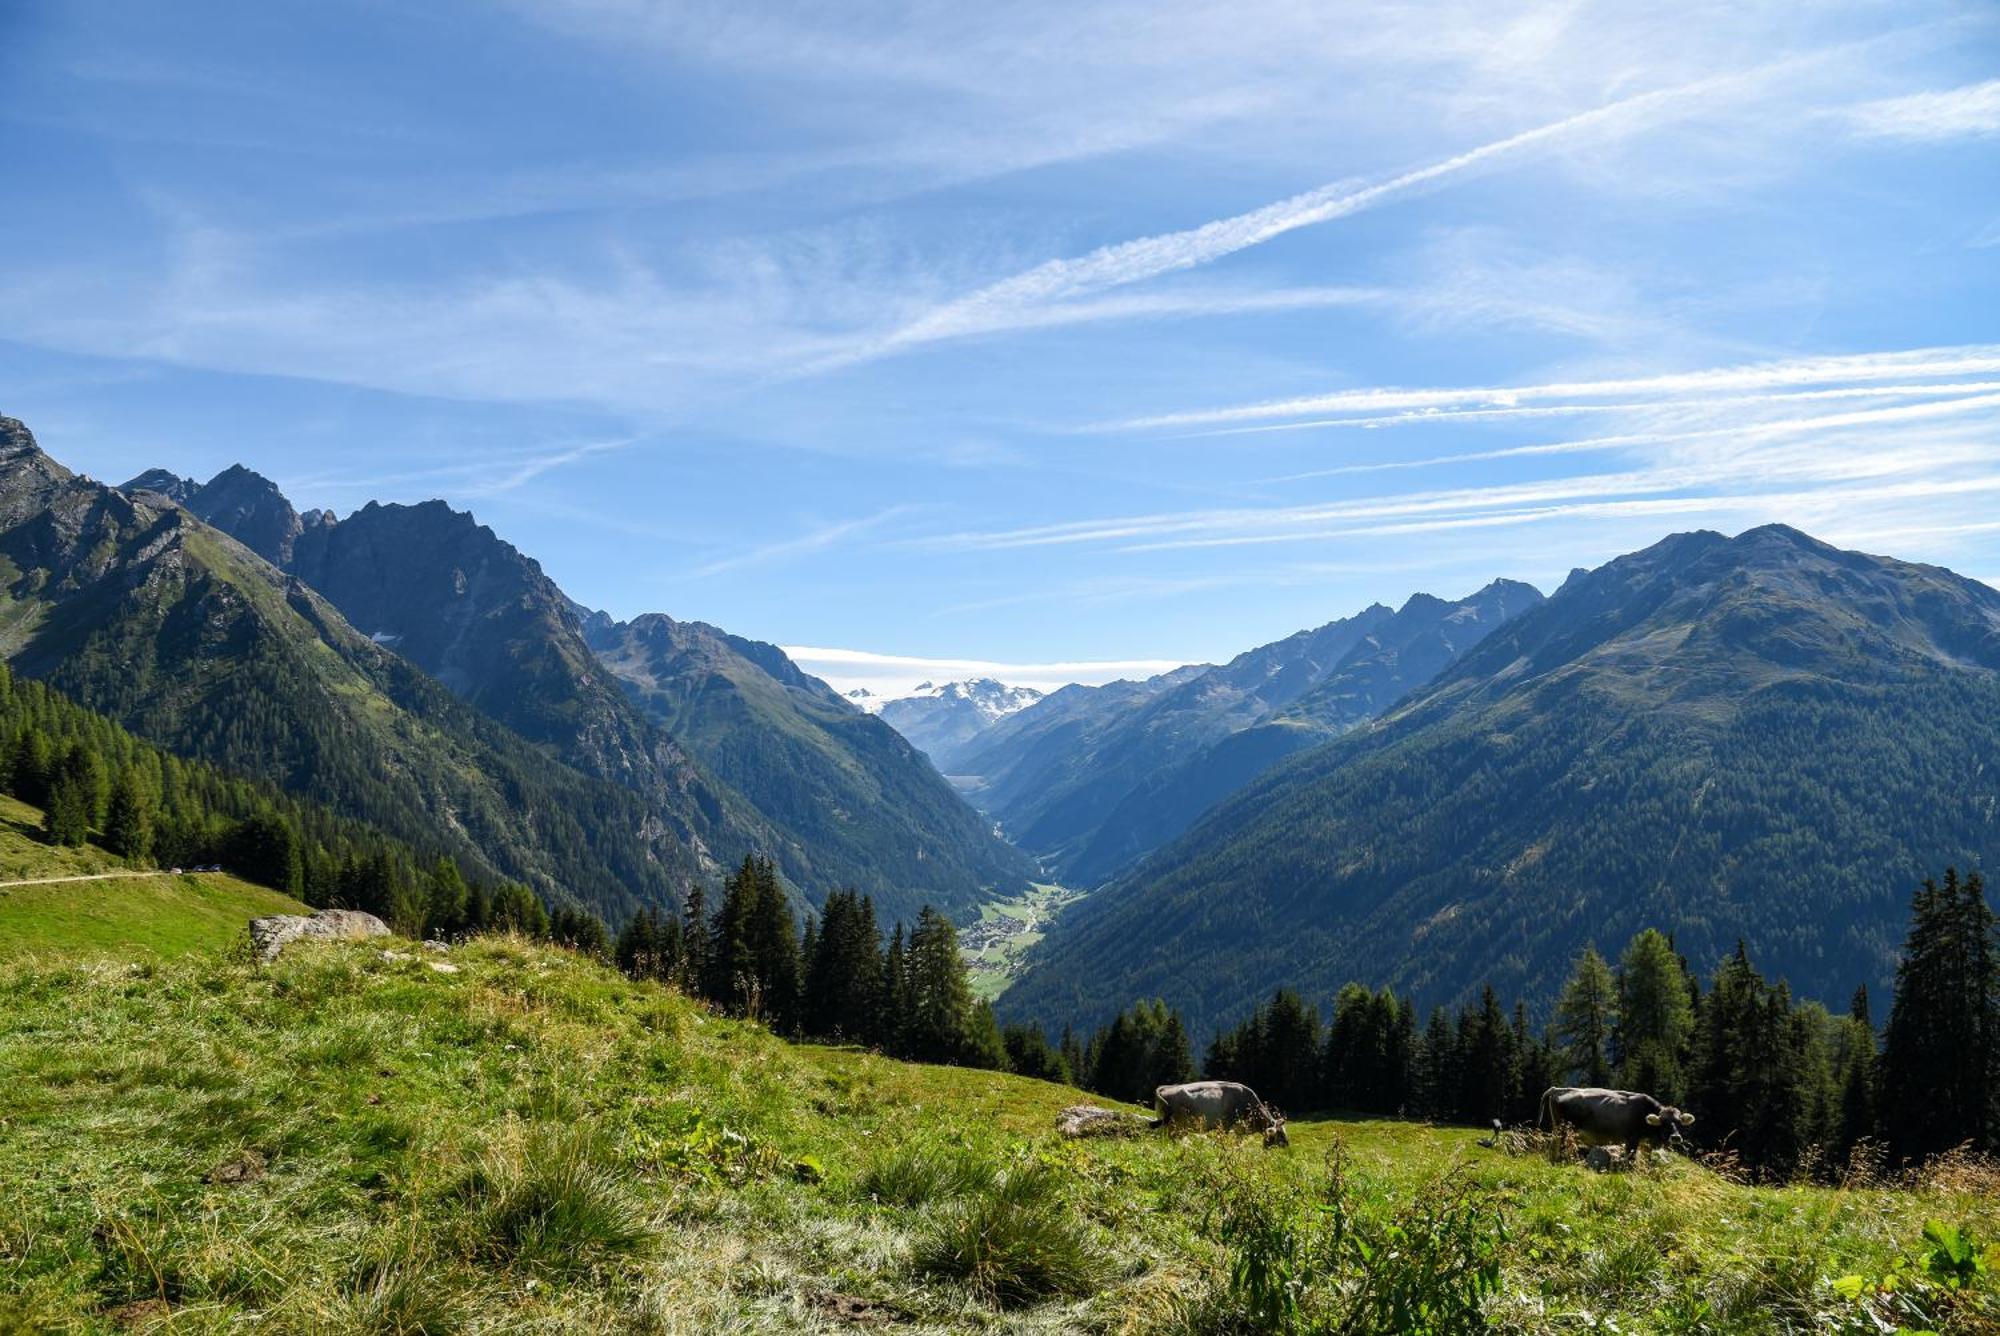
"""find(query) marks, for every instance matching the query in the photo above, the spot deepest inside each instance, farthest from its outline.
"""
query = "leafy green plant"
(1925, 1286)
(709, 1151)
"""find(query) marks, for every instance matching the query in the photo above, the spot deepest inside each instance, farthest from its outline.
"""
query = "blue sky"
(1066, 338)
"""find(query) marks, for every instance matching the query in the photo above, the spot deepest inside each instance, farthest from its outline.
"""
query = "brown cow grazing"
(1218, 1104)
(1612, 1117)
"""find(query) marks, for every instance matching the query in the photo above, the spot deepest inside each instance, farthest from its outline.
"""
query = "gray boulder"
(269, 936)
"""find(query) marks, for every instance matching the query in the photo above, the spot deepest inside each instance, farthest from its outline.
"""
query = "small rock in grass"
(245, 1168)
(141, 1315)
(444, 967)
(856, 1310)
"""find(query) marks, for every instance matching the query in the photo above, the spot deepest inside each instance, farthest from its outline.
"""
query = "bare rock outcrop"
(269, 936)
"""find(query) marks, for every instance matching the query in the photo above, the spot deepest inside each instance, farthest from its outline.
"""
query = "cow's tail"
(1545, 1119)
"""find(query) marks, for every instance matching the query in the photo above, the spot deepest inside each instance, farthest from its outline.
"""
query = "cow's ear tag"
(1652, 1120)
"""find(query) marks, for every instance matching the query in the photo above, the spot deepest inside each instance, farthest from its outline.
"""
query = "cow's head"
(1274, 1128)
(1668, 1123)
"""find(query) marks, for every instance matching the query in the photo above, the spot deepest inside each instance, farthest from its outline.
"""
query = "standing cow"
(1218, 1104)
(1612, 1117)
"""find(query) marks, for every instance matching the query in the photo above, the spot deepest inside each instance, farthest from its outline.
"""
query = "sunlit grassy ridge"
(348, 1142)
(140, 914)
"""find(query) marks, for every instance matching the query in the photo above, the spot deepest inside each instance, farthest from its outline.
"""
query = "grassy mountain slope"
(136, 914)
(140, 611)
(858, 804)
(1762, 738)
(344, 1142)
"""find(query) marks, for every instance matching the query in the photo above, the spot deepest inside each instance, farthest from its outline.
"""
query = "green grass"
(530, 1142)
(142, 913)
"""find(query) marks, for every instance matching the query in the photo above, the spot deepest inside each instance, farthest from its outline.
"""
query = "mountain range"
(944, 719)
(408, 667)
(1760, 738)
(1091, 779)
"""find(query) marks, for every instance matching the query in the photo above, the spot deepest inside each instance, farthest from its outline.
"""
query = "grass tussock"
(557, 1200)
(925, 1171)
(1013, 1240)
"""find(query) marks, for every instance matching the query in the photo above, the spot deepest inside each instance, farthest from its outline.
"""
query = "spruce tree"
(637, 948)
(938, 999)
(844, 975)
(984, 1046)
(29, 771)
(1855, 1071)
(1486, 1061)
(892, 1024)
(732, 960)
(1585, 1015)
(1071, 1049)
(1030, 1054)
(1938, 1084)
(774, 939)
(691, 972)
(128, 823)
(66, 819)
(1655, 1018)
(1437, 1068)
(1289, 1047)
(445, 900)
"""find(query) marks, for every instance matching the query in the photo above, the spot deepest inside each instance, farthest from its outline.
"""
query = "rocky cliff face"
(249, 508)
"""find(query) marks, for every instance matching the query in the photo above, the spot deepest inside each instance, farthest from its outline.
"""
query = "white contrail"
(1436, 415)
(1009, 302)
(1963, 360)
(1969, 402)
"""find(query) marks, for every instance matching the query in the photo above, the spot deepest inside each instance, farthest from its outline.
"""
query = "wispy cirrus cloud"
(1957, 113)
(1034, 296)
(818, 539)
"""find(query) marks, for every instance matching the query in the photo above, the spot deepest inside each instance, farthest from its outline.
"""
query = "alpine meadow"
(1264, 670)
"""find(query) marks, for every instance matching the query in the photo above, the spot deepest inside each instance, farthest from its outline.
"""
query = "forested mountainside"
(859, 806)
(135, 608)
(1145, 764)
(1760, 737)
(753, 756)
(1039, 748)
